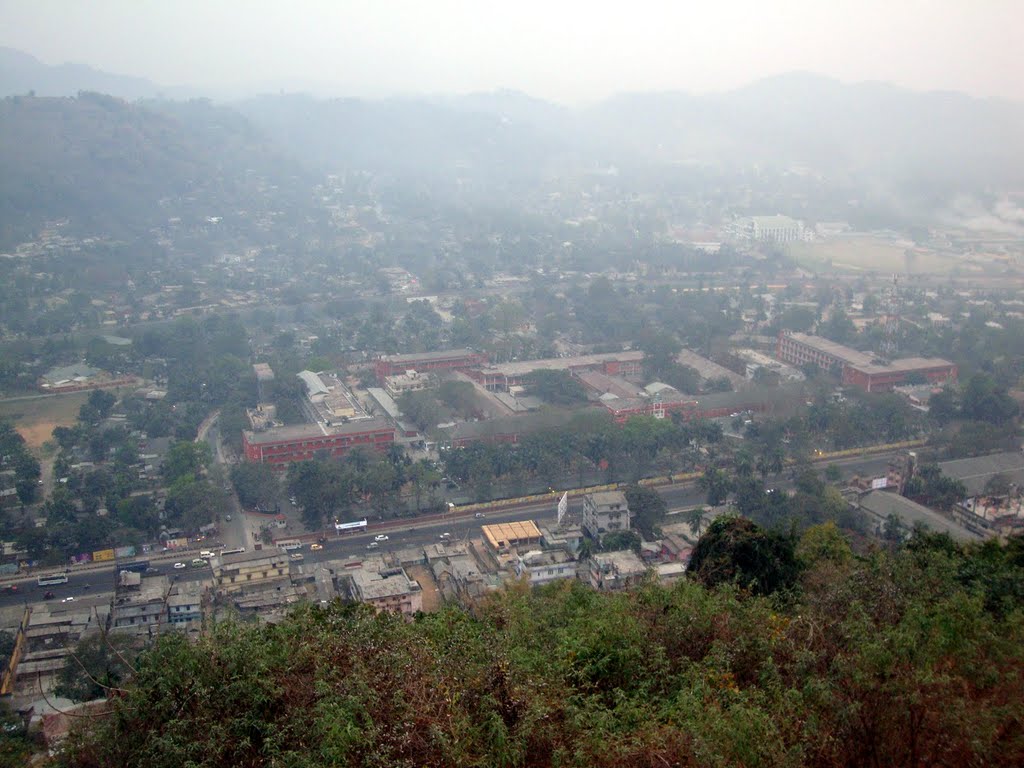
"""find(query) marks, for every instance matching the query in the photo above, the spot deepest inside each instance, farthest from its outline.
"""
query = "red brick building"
(498, 378)
(704, 407)
(882, 378)
(306, 441)
(860, 369)
(452, 359)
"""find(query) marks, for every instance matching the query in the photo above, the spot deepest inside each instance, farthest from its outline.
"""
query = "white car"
(68, 600)
(380, 537)
(296, 556)
(445, 536)
(178, 566)
(372, 545)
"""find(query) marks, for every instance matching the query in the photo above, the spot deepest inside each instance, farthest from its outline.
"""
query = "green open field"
(868, 254)
(35, 418)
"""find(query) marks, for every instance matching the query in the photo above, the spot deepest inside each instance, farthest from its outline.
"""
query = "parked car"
(179, 565)
(380, 537)
(296, 556)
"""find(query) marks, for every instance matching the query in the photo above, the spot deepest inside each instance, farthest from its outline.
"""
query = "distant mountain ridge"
(21, 73)
(911, 151)
(117, 168)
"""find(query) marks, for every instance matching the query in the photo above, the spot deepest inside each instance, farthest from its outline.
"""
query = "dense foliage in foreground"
(905, 659)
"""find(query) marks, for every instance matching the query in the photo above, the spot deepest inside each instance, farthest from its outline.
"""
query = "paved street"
(404, 535)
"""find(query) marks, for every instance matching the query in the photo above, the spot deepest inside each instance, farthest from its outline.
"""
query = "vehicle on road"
(139, 566)
(57, 578)
(381, 537)
(315, 547)
(68, 600)
(199, 562)
(228, 518)
(10, 589)
(86, 586)
(297, 556)
(178, 566)
(478, 515)
(235, 551)
(372, 545)
(49, 596)
(445, 536)
(354, 527)
(151, 571)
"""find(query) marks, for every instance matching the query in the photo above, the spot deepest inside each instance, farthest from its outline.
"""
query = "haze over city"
(572, 52)
(511, 384)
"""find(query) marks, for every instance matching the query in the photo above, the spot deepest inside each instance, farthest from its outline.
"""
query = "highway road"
(95, 583)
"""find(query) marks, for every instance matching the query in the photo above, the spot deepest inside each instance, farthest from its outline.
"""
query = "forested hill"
(905, 659)
(116, 169)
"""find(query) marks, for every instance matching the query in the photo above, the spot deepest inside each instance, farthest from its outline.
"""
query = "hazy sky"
(566, 50)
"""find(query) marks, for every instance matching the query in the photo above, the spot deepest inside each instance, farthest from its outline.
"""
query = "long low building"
(500, 377)
(452, 359)
(857, 368)
(306, 441)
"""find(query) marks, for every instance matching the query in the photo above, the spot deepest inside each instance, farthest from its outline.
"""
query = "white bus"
(356, 526)
(289, 544)
(49, 581)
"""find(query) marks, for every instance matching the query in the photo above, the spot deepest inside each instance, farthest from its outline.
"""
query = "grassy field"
(869, 254)
(36, 418)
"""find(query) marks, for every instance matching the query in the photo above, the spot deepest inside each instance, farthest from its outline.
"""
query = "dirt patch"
(35, 418)
(431, 595)
(37, 434)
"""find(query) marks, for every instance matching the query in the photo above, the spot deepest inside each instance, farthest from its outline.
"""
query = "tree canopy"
(904, 659)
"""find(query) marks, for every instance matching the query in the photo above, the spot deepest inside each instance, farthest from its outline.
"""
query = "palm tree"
(696, 520)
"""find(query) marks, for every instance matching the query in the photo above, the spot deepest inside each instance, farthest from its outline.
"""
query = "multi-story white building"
(249, 571)
(775, 229)
(615, 570)
(605, 512)
(544, 566)
(387, 589)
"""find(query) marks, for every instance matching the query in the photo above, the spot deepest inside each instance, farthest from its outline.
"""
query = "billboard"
(879, 482)
(563, 507)
(102, 554)
(128, 551)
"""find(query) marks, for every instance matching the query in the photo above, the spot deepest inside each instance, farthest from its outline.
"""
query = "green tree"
(984, 400)
(695, 519)
(716, 484)
(620, 540)
(256, 485)
(556, 387)
(186, 458)
(735, 550)
(648, 509)
(823, 542)
(97, 667)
